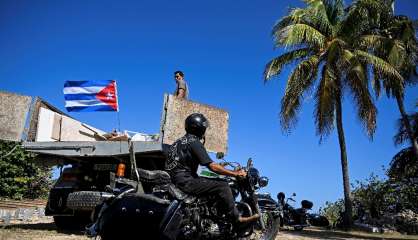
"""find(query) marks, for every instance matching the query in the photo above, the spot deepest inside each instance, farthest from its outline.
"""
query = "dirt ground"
(45, 229)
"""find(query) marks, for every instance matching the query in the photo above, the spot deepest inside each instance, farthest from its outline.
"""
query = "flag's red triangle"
(108, 95)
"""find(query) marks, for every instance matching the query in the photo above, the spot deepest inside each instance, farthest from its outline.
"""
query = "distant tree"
(404, 165)
(379, 197)
(20, 175)
(324, 45)
(392, 38)
(332, 211)
(373, 195)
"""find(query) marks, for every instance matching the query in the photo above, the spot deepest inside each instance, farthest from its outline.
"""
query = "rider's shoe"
(252, 218)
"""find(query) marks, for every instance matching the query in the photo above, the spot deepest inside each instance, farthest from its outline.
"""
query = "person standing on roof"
(182, 90)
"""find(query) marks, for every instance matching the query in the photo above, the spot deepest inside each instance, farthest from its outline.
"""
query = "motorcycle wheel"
(271, 228)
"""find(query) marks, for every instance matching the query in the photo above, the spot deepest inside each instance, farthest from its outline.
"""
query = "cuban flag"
(90, 96)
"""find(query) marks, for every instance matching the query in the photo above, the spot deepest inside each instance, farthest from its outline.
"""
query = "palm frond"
(335, 10)
(299, 33)
(365, 16)
(377, 11)
(299, 82)
(325, 102)
(335, 50)
(274, 67)
(392, 50)
(358, 83)
(380, 65)
(294, 16)
(402, 134)
(377, 87)
(401, 29)
(373, 42)
(404, 165)
(397, 55)
(317, 15)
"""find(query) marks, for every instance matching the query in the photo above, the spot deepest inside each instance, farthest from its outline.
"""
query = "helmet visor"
(205, 124)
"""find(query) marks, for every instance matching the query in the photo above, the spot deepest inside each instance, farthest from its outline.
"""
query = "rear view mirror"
(249, 163)
(294, 195)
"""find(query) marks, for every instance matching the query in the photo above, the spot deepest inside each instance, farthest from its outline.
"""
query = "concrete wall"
(176, 112)
(13, 112)
(53, 126)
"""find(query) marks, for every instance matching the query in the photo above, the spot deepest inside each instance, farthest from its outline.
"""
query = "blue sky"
(222, 46)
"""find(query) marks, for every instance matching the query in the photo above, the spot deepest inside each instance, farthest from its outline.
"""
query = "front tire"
(271, 225)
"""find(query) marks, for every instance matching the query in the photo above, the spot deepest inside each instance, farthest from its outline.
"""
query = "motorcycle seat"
(156, 176)
(153, 198)
(179, 194)
(176, 192)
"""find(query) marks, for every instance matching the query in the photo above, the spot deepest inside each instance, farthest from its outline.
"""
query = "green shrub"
(333, 211)
(21, 176)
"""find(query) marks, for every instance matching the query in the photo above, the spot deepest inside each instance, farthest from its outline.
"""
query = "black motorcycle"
(154, 208)
(299, 218)
(294, 217)
(272, 213)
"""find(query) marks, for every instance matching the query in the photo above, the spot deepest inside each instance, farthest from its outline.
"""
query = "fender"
(267, 203)
(171, 222)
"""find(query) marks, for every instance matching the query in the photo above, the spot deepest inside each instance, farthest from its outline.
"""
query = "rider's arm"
(200, 153)
(223, 171)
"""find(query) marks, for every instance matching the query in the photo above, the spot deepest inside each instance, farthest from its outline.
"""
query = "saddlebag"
(306, 204)
(134, 214)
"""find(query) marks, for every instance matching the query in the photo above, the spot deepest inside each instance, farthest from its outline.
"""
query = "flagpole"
(118, 115)
(118, 122)
(117, 105)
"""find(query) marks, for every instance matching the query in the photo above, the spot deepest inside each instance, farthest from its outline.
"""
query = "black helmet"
(281, 196)
(196, 124)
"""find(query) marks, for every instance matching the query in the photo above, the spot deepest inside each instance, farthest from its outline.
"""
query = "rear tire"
(84, 200)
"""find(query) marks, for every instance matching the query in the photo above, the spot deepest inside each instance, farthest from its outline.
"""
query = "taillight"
(121, 170)
(69, 177)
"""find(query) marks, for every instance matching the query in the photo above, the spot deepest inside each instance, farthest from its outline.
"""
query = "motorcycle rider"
(184, 157)
(281, 198)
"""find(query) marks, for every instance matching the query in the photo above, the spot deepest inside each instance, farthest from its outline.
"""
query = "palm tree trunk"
(407, 124)
(344, 165)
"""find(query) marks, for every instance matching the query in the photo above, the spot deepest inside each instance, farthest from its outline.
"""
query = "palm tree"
(404, 166)
(391, 38)
(317, 39)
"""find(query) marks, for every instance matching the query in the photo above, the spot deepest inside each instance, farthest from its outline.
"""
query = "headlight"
(253, 176)
(263, 181)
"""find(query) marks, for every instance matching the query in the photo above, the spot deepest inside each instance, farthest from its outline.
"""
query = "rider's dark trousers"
(206, 187)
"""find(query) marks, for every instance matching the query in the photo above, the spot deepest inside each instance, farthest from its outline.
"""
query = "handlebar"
(235, 165)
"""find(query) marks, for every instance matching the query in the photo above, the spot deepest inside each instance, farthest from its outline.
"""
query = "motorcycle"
(154, 208)
(271, 212)
(299, 218)
(294, 217)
